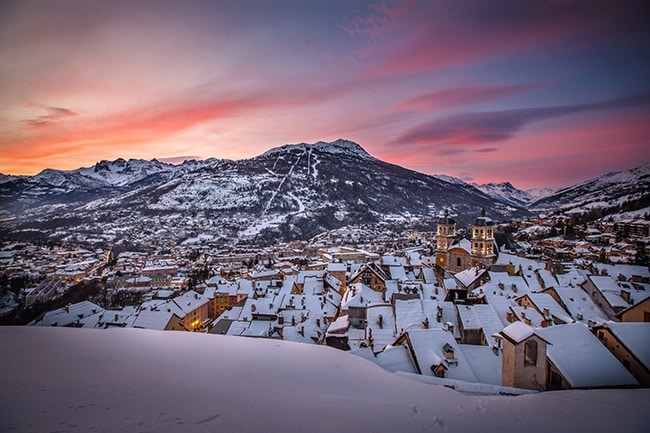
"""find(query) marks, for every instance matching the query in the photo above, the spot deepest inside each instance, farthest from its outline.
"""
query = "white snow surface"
(131, 380)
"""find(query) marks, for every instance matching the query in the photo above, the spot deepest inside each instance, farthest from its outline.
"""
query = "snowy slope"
(132, 380)
(291, 192)
(506, 192)
(629, 188)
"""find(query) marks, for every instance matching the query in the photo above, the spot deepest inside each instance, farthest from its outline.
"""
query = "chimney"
(546, 312)
(381, 321)
(523, 314)
(509, 316)
(527, 320)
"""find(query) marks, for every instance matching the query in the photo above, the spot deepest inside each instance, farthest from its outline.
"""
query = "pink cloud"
(433, 36)
(451, 97)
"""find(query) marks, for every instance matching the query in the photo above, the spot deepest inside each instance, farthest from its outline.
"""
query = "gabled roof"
(636, 338)
(573, 347)
(154, 319)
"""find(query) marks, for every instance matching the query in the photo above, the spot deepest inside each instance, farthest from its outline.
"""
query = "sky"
(538, 93)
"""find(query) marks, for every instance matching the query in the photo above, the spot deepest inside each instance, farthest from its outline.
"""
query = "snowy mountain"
(291, 192)
(130, 380)
(507, 193)
(611, 193)
(295, 191)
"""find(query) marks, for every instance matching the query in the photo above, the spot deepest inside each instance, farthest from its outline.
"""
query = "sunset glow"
(538, 93)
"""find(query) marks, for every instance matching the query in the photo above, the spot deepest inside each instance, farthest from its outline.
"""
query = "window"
(367, 276)
(555, 379)
(459, 262)
(530, 352)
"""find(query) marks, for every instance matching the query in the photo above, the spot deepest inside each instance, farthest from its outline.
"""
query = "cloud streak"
(54, 115)
(494, 126)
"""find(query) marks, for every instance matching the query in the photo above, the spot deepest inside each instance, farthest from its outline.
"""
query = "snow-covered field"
(132, 380)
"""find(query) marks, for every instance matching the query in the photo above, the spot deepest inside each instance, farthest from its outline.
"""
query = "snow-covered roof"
(468, 317)
(153, 319)
(626, 270)
(468, 276)
(523, 313)
(635, 336)
(518, 331)
(490, 321)
(544, 300)
(580, 305)
(573, 347)
(516, 261)
(70, 314)
(385, 334)
(409, 314)
(336, 267)
(190, 301)
(428, 344)
(394, 359)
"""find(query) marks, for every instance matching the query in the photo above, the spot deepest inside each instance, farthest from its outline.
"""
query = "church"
(456, 255)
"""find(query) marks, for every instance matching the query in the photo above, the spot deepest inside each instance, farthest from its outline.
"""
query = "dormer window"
(448, 350)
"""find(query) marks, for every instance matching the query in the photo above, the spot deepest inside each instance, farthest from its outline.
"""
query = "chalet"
(372, 276)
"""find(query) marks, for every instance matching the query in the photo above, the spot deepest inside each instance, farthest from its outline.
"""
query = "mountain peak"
(340, 146)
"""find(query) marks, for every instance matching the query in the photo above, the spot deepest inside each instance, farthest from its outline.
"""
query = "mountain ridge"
(294, 191)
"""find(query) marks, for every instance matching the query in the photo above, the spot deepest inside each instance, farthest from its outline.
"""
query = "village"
(532, 305)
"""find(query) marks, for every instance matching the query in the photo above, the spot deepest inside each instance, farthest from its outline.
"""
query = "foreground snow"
(59, 379)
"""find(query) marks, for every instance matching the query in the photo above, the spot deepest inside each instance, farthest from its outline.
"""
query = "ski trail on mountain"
(277, 190)
(314, 170)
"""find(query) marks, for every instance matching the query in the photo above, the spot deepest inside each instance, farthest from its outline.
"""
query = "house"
(372, 276)
(545, 305)
(630, 344)
(639, 312)
(190, 307)
(159, 319)
(356, 301)
(615, 296)
(339, 272)
(523, 357)
(71, 315)
(580, 306)
(571, 348)
(435, 353)
(47, 290)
